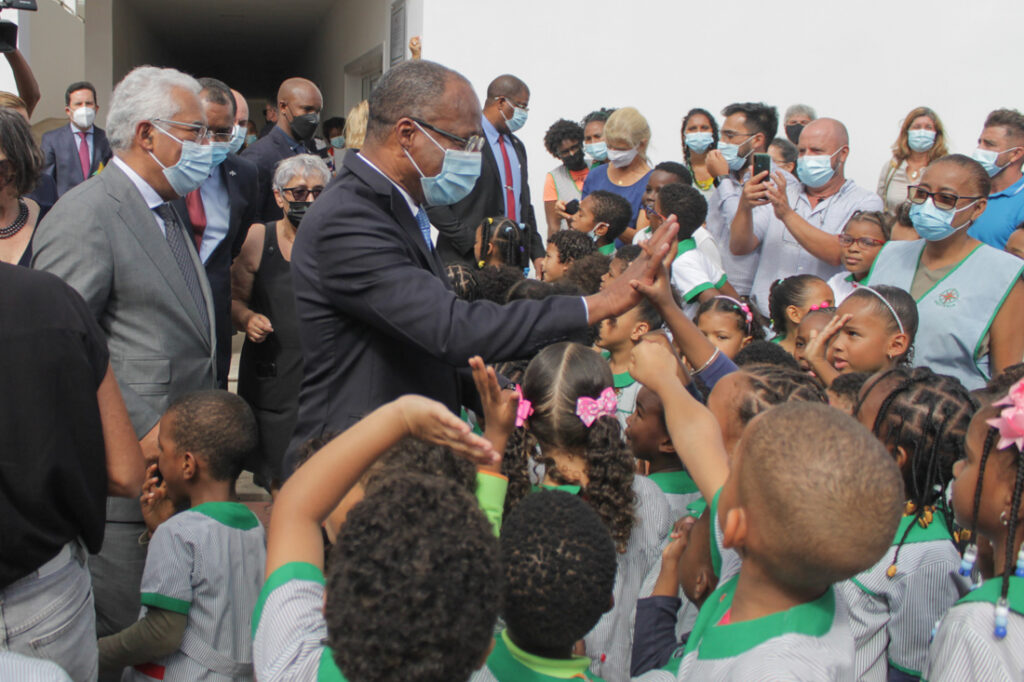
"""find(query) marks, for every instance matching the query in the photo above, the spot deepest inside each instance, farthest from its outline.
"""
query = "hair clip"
(742, 306)
(1010, 422)
(589, 409)
(899, 322)
(524, 409)
(819, 306)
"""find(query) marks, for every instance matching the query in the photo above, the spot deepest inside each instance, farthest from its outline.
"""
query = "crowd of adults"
(131, 256)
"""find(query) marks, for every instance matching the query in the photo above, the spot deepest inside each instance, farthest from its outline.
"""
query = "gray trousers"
(116, 577)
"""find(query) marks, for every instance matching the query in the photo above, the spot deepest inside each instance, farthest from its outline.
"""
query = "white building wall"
(866, 63)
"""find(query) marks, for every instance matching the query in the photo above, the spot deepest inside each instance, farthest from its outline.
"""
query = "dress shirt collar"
(414, 207)
(491, 132)
(149, 195)
(76, 131)
(1012, 190)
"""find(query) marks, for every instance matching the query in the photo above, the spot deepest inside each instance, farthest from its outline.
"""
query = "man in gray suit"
(117, 241)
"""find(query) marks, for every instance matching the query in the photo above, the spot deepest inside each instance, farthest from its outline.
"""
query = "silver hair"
(800, 109)
(143, 95)
(303, 164)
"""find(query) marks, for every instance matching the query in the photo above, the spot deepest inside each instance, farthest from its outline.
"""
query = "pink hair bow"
(524, 409)
(1010, 421)
(589, 409)
(819, 306)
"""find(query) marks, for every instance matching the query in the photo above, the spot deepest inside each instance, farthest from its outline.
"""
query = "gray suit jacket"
(60, 149)
(103, 240)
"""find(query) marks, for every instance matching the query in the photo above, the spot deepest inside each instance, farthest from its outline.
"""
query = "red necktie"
(83, 156)
(510, 195)
(196, 215)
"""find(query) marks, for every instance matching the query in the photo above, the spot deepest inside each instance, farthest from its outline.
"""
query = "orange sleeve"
(550, 193)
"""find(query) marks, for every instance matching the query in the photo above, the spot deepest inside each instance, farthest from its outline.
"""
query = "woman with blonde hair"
(626, 134)
(355, 125)
(922, 139)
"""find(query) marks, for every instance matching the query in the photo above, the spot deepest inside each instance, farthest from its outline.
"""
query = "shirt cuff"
(586, 311)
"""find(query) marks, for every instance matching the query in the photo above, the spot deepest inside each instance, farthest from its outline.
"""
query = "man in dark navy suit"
(298, 103)
(75, 151)
(220, 212)
(377, 316)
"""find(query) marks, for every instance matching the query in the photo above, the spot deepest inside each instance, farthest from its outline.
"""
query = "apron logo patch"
(948, 298)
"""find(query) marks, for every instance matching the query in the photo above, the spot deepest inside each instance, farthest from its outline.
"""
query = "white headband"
(888, 305)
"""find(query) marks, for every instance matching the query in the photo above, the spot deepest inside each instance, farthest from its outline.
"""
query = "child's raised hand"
(659, 292)
(500, 406)
(431, 421)
(816, 350)
(156, 506)
(652, 363)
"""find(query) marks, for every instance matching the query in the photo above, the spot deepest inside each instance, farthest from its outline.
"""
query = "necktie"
(510, 195)
(83, 156)
(424, 223)
(196, 216)
(175, 234)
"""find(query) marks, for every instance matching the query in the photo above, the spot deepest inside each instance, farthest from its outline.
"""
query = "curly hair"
(677, 169)
(494, 282)
(417, 456)
(216, 426)
(601, 114)
(609, 207)
(770, 385)
(686, 203)
(555, 379)
(560, 131)
(586, 272)
(765, 353)
(463, 280)
(572, 245)
(414, 585)
(559, 570)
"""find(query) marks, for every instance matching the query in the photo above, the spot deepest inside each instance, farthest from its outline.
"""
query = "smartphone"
(762, 163)
(572, 207)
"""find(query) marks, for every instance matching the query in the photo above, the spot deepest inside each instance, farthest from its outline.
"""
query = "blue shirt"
(1005, 211)
(597, 179)
(217, 206)
(493, 136)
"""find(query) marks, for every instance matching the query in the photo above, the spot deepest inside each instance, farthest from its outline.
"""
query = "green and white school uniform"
(607, 249)
(289, 629)
(892, 618)
(693, 273)
(725, 561)
(957, 310)
(965, 648)
(679, 489)
(626, 390)
(706, 243)
(811, 641)
(206, 563)
(508, 663)
(842, 285)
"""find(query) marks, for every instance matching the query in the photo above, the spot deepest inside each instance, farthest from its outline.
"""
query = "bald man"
(298, 103)
(241, 108)
(800, 236)
(503, 187)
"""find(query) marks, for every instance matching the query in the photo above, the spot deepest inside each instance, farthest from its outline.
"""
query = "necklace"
(14, 228)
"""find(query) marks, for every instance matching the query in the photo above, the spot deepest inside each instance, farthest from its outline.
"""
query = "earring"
(1003, 518)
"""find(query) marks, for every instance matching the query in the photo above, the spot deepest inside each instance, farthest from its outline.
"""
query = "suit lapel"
(228, 175)
(140, 221)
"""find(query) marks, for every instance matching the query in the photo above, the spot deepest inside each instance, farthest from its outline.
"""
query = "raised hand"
(429, 420)
(156, 506)
(500, 405)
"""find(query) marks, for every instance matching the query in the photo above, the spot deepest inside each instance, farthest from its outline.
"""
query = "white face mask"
(620, 158)
(83, 117)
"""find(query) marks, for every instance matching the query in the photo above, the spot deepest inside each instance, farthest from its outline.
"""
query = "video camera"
(9, 29)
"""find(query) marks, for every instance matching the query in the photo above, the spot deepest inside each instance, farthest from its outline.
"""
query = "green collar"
(570, 488)
(329, 670)
(992, 589)
(509, 663)
(622, 380)
(293, 570)
(232, 514)
(685, 245)
(937, 530)
(716, 555)
(607, 249)
(713, 641)
(849, 278)
(675, 482)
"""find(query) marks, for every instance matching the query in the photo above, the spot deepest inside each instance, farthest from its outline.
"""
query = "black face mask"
(304, 126)
(297, 211)
(575, 162)
(793, 131)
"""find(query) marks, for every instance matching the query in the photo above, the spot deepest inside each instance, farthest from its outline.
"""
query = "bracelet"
(708, 363)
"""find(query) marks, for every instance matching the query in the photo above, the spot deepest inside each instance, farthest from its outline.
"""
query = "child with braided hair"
(567, 420)
(922, 418)
(501, 241)
(982, 636)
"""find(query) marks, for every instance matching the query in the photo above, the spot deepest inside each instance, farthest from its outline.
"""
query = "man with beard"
(298, 104)
(564, 141)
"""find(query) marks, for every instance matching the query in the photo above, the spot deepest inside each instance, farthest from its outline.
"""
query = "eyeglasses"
(473, 143)
(515, 104)
(220, 136)
(946, 201)
(202, 133)
(732, 134)
(302, 193)
(863, 242)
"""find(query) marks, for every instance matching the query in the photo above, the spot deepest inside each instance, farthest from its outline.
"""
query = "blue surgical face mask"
(598, 151)
(731, 154)
(699, 142)
(218, 152)
(935, 224)
(459, 173)
(815, 171)
(920, 140)
(988, 158)
(193, 166)
(338, 141)
(251, 139)
(518, 120)
(237, 138)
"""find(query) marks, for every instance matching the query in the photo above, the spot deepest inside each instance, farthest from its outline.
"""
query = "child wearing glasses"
(859, 242)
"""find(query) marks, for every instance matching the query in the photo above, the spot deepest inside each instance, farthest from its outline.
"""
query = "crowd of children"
(670, 497)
